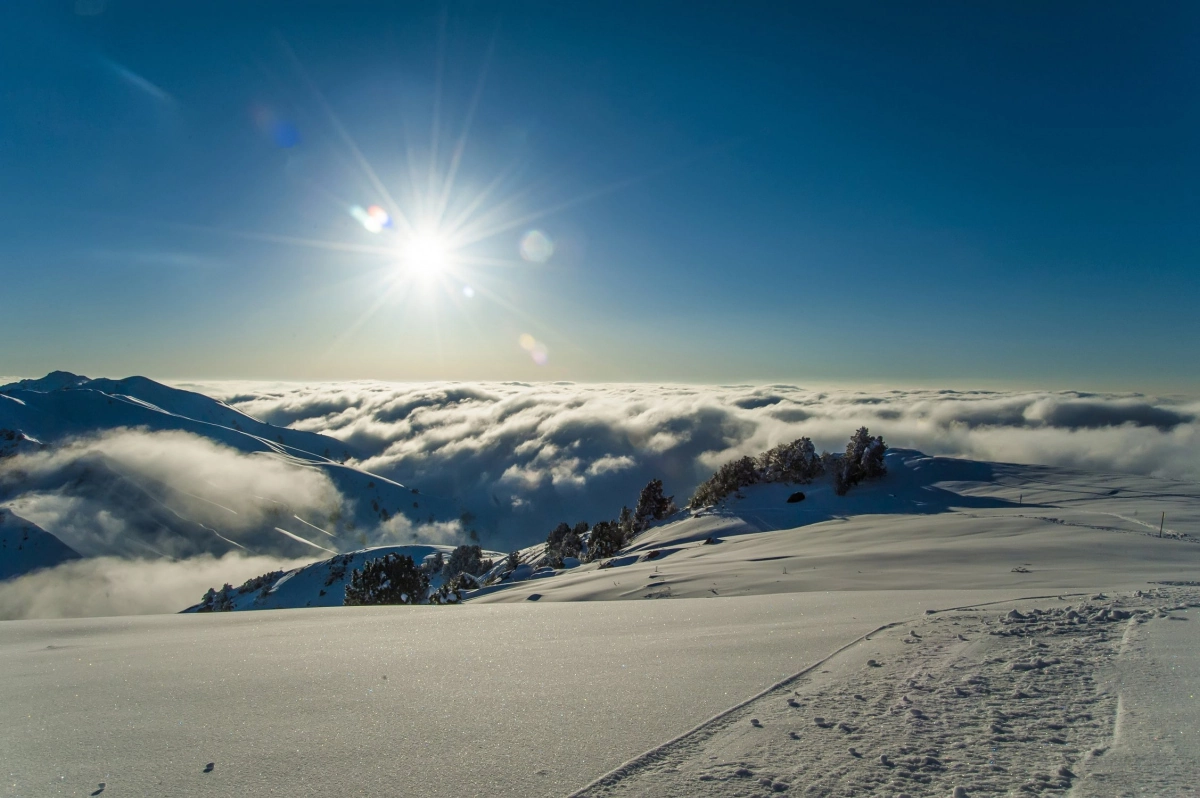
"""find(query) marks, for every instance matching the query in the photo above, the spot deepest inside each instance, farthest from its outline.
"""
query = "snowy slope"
(931, 521)
(160, 519)
(26, 547)
(981, 626)
(323, 583)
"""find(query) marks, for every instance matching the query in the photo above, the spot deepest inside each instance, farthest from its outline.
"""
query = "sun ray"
(469, 236)
(395, 208)
(461, 144)
(435, 132)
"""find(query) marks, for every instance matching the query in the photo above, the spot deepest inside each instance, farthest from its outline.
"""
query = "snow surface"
(957, 627)
(531, 699)
(932, 522)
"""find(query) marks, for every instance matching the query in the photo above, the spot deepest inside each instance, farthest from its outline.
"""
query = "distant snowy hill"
(323, 584)
(51, 473)
(26, 547)
(930, 522)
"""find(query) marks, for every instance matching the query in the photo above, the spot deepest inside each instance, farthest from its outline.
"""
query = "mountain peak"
(54, 381)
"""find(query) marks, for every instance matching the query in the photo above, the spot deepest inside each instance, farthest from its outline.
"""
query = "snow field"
(977, 701)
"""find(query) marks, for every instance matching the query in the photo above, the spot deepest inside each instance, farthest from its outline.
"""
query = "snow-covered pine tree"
(607, 539)
(392, 579)
(652, 505)
(466, 559)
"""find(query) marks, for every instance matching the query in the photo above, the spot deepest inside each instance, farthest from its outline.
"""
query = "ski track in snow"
(294, 536)
(985, 699)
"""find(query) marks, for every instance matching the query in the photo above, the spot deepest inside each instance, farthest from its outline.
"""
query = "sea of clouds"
(522, 457)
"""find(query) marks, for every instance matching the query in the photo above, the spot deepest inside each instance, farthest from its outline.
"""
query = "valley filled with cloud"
(522, 457)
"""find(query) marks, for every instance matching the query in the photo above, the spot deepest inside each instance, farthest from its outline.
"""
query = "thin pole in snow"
(1162, 521)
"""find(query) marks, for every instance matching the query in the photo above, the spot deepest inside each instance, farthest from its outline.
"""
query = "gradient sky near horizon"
(921, 193)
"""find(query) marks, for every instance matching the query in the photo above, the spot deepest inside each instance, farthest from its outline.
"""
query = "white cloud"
(168, 494)
(524, 457)
(116, 586)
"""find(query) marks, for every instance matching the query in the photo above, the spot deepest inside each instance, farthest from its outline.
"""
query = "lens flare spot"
(279, 131)
(536, 349)
(380, 216)
(369, 222)
(536, 247)
(468, 292)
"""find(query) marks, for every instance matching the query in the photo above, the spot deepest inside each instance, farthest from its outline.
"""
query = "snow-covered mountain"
(65, 466)
(26, 547)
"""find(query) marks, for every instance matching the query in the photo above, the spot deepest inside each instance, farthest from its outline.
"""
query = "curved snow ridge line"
(1008, 601)
(657, 752)
(613, 777)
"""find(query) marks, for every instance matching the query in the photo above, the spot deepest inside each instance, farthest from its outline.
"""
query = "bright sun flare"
(426, 255)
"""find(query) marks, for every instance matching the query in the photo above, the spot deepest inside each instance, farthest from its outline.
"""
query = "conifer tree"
(392, 579)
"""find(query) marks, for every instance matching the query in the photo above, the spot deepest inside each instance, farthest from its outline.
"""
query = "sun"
(427, 255)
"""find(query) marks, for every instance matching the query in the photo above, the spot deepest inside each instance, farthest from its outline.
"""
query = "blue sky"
(958, 194)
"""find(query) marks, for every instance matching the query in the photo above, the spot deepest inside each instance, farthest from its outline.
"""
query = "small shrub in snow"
(392, 579)
(512, 560)
(434, 564)
(454, 590)
(337, 568)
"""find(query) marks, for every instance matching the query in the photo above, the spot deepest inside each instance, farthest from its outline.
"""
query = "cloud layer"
(170, 494)
(115, 586)
(523, 457)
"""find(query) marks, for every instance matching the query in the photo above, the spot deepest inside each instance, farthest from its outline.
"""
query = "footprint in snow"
(209, 767)
(793, 703)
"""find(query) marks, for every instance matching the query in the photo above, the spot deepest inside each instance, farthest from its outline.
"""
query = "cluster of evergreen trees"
(863, 460)
(606, 538)
(396, 579)
(391, 579)
(222, 600)
(797, 463)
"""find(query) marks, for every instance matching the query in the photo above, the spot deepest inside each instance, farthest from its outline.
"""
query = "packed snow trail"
(1155, 746)
(986, 701)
